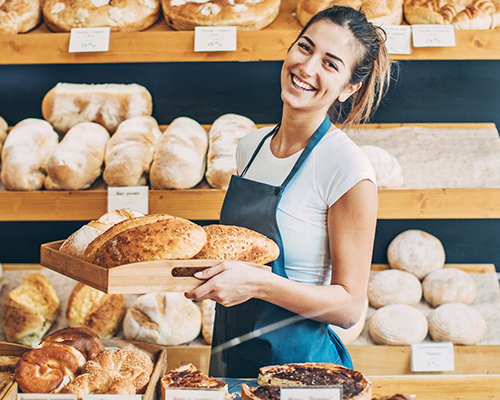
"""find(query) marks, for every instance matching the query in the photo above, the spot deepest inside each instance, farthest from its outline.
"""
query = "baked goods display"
(417, 252)
(393, 287)
(449, 285)
(388, 171)
(163, 318)
(19, 16)
(119, 15)
(207, 319)
(229, 242)
(6, 378)
(77, 160)
(389, 12)
(29, 310)
(184, 15)
(458, 324)
(68, 104)
(180, 159)
(25, 154)
(8, 363)
(98, 311)
(224, 136)
(464, 14)
(398, 324)
(130, 151)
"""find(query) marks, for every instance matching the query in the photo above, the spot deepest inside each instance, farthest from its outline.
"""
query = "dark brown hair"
(373, 68)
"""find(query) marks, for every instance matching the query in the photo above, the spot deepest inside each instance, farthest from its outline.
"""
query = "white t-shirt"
(335, 165)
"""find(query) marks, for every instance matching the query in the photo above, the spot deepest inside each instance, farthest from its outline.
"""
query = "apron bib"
(254, 205)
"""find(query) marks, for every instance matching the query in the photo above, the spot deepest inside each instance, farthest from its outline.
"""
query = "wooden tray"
(142, 277)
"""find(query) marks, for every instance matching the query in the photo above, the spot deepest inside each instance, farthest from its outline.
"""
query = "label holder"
(326, 392)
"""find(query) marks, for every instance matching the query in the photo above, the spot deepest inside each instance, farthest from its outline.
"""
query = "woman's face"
(318, 67)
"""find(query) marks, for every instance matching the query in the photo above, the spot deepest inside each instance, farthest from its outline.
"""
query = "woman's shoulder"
(251, 140)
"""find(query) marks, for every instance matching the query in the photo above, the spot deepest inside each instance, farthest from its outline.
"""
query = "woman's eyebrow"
(328, 54)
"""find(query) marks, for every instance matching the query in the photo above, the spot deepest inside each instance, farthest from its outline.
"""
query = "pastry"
(163, 318)
(449, 285)
(82, 339)
(388, 171)
(119, 15)
(77, 160)
(180, 159)
(184, 15)
(8, 363)
(19, 16)
(208, 319)
(393, 287)
(130, 151)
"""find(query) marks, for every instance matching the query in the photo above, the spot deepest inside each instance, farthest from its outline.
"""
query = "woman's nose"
(308, 67)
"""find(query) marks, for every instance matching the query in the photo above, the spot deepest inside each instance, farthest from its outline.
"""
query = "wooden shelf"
(160, 44)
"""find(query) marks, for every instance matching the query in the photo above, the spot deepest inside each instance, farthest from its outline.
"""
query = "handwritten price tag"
(221, 38)
(398, 39)
(433, 35)
(45, 396)
(432, 357)
(89, 40)
(311, 393)
(134, 197)
(193, 394)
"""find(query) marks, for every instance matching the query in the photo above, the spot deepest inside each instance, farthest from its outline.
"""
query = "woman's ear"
(349, 91)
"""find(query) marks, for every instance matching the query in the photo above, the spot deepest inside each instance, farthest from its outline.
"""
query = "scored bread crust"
(150, 238)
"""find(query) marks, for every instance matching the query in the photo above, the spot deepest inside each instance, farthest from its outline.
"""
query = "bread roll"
(393, 287)
(68, 104)
(25, 154)
(180, 158)
(449, 285)
(163, 318)
(388, 171)
(130, 151)
(119, 15)
(208, 319)
(19, 16)
(3, 133)
(77, 161)
(98, 311)
(82, 339)
(224, 136)
(30, 310)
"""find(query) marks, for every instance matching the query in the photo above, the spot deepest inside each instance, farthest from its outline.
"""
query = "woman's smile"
(299, 84)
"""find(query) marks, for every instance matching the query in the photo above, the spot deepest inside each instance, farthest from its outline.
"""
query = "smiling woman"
(308, 187)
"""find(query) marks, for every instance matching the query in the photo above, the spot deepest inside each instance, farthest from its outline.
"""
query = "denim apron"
(235, 354)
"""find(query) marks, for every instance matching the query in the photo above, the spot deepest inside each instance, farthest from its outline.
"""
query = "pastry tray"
(141, 277)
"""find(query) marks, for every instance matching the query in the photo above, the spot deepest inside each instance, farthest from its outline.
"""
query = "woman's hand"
(229, 283)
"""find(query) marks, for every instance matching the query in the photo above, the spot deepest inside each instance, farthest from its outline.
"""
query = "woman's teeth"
(302, 85)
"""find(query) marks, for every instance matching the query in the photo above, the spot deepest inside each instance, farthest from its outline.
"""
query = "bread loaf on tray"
(19, 16)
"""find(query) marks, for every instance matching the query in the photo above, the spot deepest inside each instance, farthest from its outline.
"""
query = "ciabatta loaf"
(224, 136)
(19, 16)
(25, 154)
(180, 158)
(150, 238)
(68, 104)
(130, 151)
(119, 15)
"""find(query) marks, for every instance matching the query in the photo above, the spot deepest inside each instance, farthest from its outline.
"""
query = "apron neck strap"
(274, 130)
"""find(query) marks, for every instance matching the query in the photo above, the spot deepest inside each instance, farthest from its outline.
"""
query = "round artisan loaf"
(19, 16)
(224, 136)
(388, 171)
(457, 323)
(449, 285)
(119, 15)
(98, 311)
(180, 159)
(163, 318)
(351, 334)
(393, 287)
(130, 151)
(417, 252)
(244, 14)
(398, 324)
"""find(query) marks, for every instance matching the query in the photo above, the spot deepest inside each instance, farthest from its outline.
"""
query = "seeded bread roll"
(19, 16)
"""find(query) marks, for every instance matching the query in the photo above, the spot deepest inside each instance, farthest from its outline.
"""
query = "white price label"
(134, 197)
(112, 397)
(45, 396)
(89, 40)
(311, 393)
(398, 39)
(432, 357)
(433, 35)
(194, 394)
(215, 38)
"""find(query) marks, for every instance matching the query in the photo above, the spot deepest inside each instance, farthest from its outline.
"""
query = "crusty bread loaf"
(449, 285)
(180, 158)
(19, 16)
(208, 319)
(130, 152)
(229, 242)
(119, 15)
(249, 15)
(98, 311)
(82, 339)
(25, 154)
(163, 318)
(29, 310)
(224, 137)
(68, 104)
(3, 134)
(393, 286)
(168, 238)
(388, 171)
(77, 161)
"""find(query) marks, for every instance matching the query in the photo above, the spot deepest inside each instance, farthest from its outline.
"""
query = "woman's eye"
(305, 47)
(332, 65)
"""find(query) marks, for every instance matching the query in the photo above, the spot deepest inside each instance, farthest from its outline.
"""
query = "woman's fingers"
(210, 272)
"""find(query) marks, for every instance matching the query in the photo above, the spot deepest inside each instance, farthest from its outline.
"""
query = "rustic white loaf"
(449, 285)
(393, 287)
(224, 136)
(68, 104)
(180, 158)
(19, 16)
(25, 154)
(130, 151)
(388, 171)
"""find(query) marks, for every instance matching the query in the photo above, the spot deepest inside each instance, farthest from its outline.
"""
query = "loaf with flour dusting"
(19, 16)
